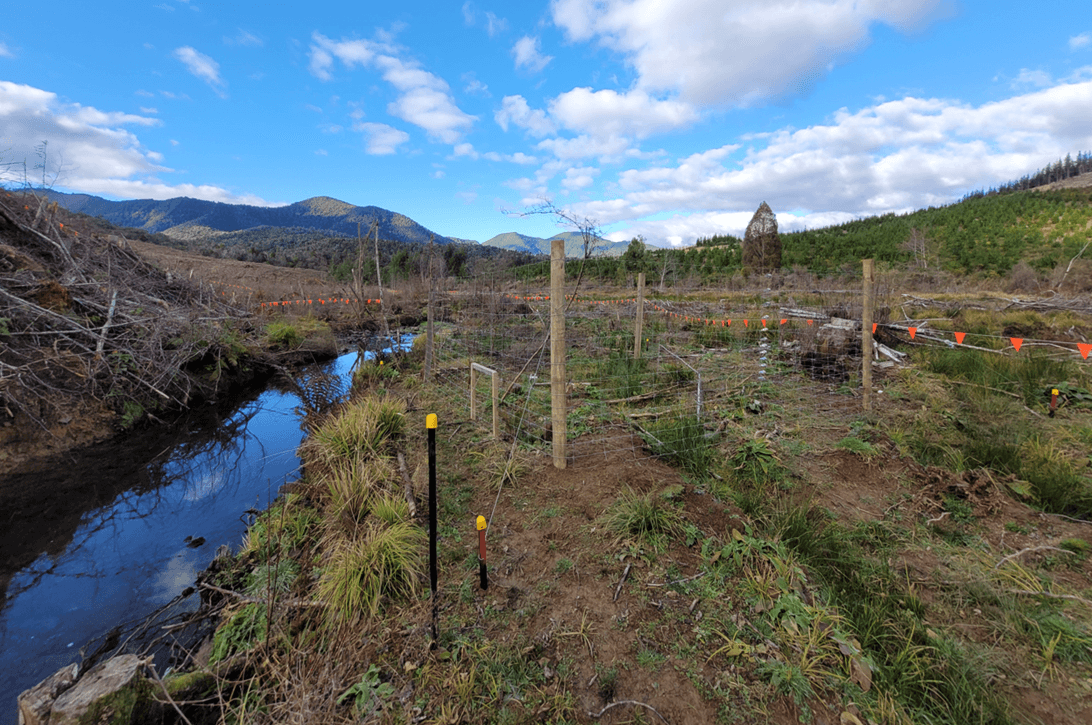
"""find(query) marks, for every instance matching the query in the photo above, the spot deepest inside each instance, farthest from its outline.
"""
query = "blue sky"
(672, 119)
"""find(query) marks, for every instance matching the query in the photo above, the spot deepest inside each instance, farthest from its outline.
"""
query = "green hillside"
(984, 234)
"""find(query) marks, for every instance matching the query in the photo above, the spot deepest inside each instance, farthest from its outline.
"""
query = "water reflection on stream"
(127, 554)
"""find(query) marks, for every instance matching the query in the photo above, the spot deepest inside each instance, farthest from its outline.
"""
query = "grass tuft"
(646, 517)
(385, 562)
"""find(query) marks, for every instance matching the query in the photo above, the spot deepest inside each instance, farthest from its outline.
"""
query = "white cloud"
(143, 93)
(579, 177)
(1080, 41)
(245, 38)
(893, 156)
(468, 197)
(438, 174)
(96, 151)
(473, 86)
(203, 67)
(381, 139)
(148, 110)
(464, 149)
(514, 110)
(424, 98)
(493, 24)
(1032, 79)
(609, 113)
(517, 158)
(741, 53)
(584, 146)
(528, 56)
(5, 52)
(174, 142)
(321, 152)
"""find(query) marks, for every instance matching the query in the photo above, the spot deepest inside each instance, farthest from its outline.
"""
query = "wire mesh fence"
(703, 368)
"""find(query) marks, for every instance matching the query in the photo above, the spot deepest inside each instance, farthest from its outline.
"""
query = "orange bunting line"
(913, 332)
(959, 337)
(1085, 349)
(1016, 342)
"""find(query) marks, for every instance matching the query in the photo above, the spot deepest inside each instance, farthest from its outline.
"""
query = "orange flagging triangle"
(1085, 349)
(745, 323)
(959, 337)
(913, 332)
(874, 328)
(764, 323)
(1016, 342)
(783, 321)
(810, 321)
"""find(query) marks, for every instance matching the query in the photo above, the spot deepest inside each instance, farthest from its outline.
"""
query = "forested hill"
(185, 218)
(985, 234)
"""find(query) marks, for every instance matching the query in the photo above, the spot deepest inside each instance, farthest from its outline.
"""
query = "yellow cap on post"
(430, 420)
(481, 523)
(1054, 391)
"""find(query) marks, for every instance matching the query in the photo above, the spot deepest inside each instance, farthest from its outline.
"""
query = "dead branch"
(597, 715)
(1048, 595)
(1029, 550)
(257, 600)
(408, 483)
(618, 589)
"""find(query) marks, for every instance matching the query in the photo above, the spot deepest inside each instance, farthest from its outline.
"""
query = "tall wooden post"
(866, 337)
(557, 349)
(640, 329)
(431, 296)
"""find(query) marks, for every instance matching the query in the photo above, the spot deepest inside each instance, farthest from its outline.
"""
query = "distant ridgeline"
(319, 233)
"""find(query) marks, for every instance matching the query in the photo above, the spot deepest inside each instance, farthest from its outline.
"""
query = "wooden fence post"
(866, 337)
(640, 329)
(557, 349)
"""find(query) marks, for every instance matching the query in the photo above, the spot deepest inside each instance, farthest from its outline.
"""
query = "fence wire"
(695, 379)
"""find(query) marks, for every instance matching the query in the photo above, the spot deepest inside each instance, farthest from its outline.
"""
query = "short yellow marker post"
(1053, 401)
(481, 552)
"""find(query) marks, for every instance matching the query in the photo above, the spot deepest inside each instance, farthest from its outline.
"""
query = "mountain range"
(186, 219)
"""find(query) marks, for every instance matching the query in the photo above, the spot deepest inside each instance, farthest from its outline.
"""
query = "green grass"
(647, 518)
(363, 429)
(387, 561)
(682, 441)
(239, 633)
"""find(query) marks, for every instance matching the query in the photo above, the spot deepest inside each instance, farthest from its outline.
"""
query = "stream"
(121, 529)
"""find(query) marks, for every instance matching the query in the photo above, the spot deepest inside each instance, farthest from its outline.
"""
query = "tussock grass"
(362, 430)
(386, 561)
(353, 485)
(682, 441)
(643, 517)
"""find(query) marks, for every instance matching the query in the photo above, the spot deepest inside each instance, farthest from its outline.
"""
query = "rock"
(761, 242)
(102, 680)
(36, 703)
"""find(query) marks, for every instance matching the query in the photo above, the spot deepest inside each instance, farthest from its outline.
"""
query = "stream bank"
(127, 524)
